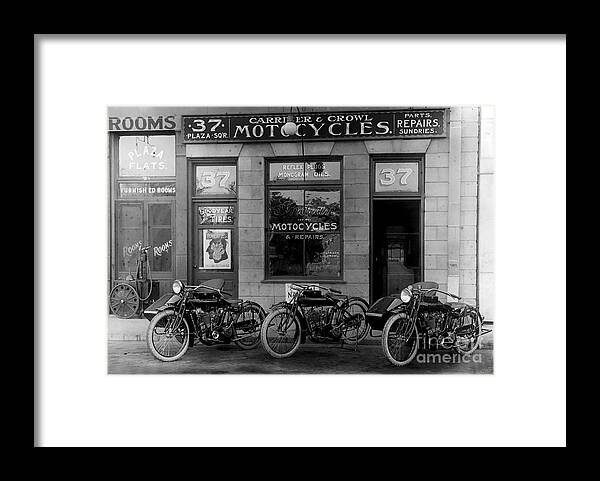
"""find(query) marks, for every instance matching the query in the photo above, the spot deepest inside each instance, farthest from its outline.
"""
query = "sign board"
(131, 123)
(289, 290)
(146, 189)
(216, 214)
(395, 177)
(423, 123)
(217, 248)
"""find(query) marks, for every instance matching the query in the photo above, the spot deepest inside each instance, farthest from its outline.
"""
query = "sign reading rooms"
(315, 126)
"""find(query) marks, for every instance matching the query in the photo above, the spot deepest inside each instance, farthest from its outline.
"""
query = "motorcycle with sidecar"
(203, 313)
(417, 318)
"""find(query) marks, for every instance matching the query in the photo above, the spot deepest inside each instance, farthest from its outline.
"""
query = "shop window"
(304, 220)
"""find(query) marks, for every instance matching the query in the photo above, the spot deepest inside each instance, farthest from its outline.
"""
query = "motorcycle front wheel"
(400, 340)
(247, 327)
(280, 333)
(166, 343)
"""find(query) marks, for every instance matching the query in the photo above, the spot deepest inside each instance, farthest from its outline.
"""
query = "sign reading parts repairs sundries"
(315, 126)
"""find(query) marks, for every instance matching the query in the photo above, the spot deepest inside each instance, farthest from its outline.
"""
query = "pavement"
(129, 354)
(133, 357)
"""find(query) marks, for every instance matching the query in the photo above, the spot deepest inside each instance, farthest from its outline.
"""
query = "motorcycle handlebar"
(301, 287)
(440, 291)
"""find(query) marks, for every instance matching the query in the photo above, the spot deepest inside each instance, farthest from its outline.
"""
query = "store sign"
(394, 177)
(216, 214)
(317, 171)
(217, 248)
(145, 122)
(147, 156)
(424, 123)
(146, 189)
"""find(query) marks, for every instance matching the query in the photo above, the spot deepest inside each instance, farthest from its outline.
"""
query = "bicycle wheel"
(400, 340)
(124, 301)
(280, 333)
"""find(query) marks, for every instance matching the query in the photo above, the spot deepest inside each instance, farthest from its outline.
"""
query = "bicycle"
(124, 299)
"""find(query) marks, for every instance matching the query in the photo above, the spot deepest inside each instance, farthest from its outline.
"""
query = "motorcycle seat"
(234, 302)
(456, 305)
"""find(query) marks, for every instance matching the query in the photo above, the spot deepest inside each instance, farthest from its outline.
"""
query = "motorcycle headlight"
(405, 295)
(177, 287)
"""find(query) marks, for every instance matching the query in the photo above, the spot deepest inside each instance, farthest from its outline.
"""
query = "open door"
(396, 252)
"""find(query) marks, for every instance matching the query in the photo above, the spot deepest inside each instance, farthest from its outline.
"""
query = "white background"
(523, 403)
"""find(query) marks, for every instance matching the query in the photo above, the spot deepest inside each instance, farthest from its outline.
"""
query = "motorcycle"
(201, 313)
(317, 313)
(416, 317)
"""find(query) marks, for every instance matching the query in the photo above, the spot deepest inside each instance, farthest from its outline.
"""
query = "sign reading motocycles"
(315, 126)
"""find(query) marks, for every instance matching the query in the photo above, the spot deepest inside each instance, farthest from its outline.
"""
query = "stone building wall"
(450, 218)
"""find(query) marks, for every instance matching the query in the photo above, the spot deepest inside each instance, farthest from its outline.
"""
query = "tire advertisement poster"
(217, 248)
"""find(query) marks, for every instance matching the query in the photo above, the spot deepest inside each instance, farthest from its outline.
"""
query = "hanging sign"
(425, 123)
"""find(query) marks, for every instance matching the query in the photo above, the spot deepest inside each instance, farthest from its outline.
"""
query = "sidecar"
(162, 303)
(378, 314)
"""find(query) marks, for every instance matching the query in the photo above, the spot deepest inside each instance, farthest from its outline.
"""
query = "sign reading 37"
(396, 177)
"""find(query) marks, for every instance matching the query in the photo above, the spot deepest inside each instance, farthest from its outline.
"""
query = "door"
(214, 223)
(396, 249)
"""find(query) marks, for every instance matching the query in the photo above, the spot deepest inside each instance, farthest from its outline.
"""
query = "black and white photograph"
(360, 237)
(301, 239)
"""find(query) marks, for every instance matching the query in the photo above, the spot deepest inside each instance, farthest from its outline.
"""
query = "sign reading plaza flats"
(315, 126)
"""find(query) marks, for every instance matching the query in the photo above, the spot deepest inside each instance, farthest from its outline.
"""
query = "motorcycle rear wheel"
(400, 348)
(255, 316)
(281, 333)
(355, 336)
(166, 346)
(468, 342)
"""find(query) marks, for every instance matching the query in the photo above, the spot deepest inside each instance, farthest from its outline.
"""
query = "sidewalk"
(133, 357)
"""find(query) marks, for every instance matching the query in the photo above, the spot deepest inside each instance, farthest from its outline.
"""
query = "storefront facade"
(366, 200)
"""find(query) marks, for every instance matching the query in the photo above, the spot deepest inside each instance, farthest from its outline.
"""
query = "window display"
(304, 225)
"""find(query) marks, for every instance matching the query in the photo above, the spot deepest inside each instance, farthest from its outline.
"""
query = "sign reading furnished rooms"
(315, 126)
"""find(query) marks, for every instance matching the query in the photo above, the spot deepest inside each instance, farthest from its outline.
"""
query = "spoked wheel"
(469, 332)
(124, 301)
(355, 322)
(280, 333)
(247, 327)
(400, 340)
(166, 340)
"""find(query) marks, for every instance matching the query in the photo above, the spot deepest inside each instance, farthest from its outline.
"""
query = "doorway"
(213, 222)
(396, 245)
